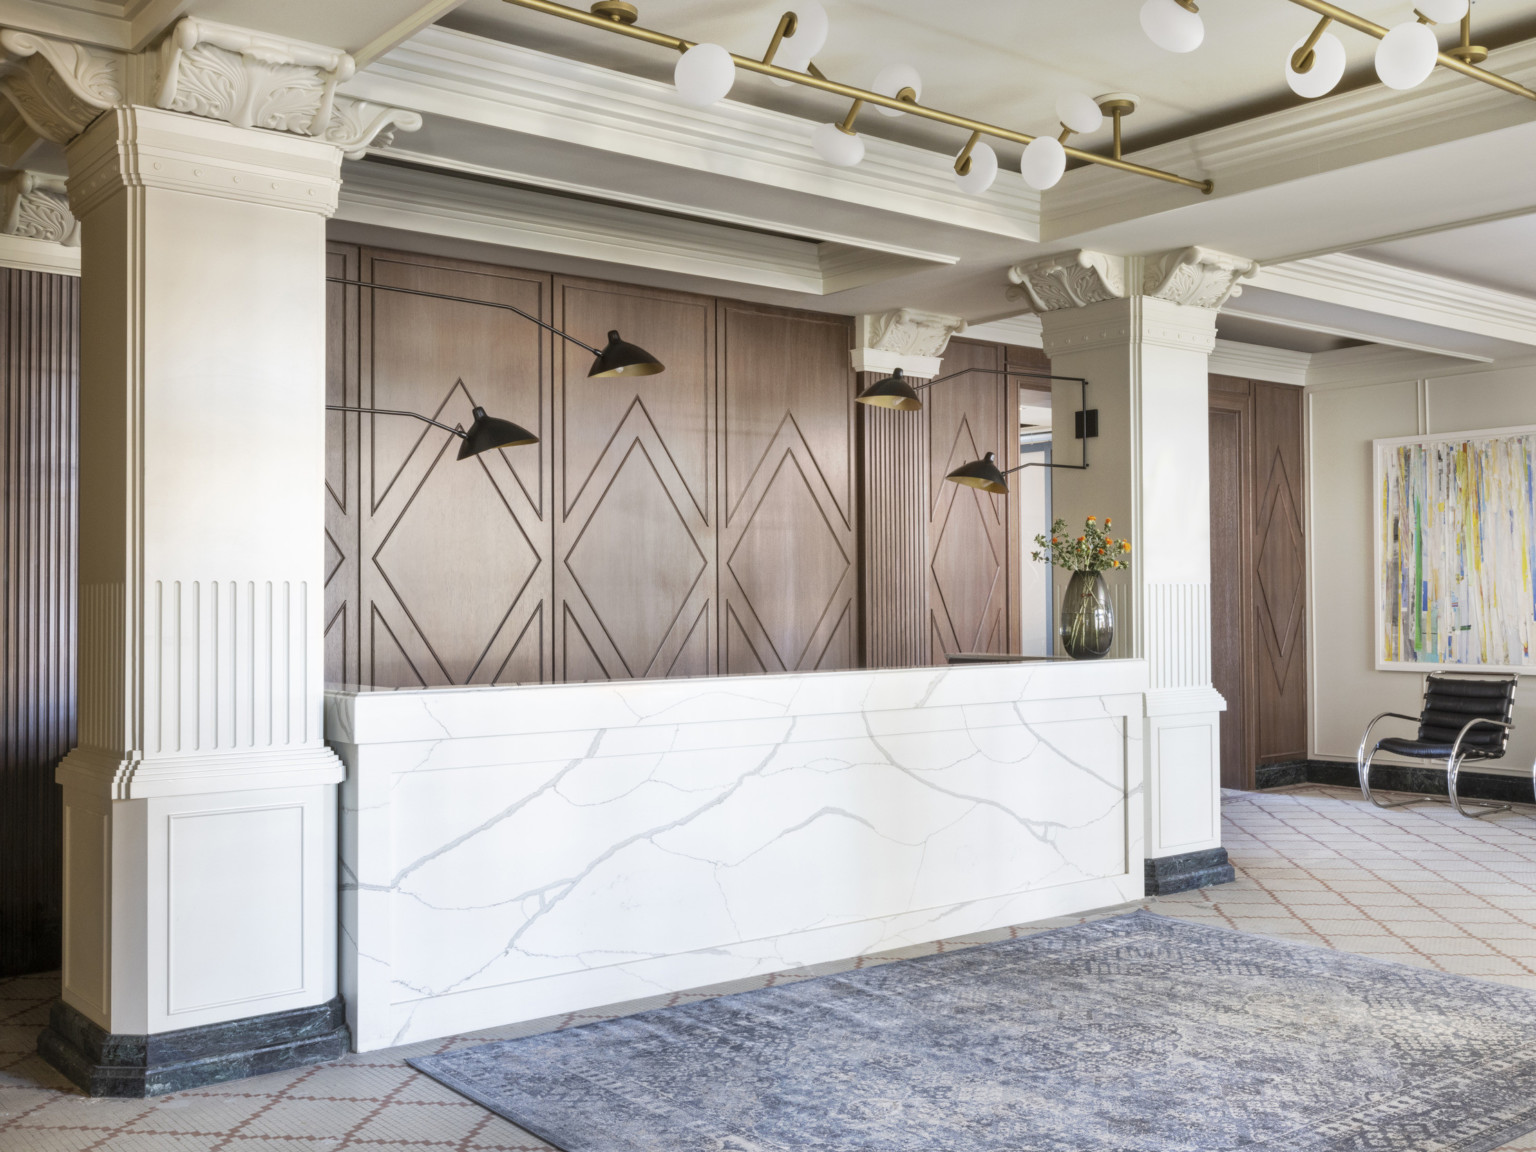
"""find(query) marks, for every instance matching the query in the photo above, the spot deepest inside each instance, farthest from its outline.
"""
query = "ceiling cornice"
(432, 204)
(1258, 362)
(1374, 286)
(1372, 365)
(441, 72)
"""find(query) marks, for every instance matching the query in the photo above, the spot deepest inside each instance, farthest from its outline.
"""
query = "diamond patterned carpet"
(1419, 885)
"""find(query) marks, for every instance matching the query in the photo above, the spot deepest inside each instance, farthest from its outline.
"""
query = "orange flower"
(1116, 564)
(1125, 545)
(1108, 524)
(1080, 539)
(1091, 520)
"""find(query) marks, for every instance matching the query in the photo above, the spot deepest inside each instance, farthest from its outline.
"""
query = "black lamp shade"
(892, 392)
(488, 432)
(619, 358)
(983, 474)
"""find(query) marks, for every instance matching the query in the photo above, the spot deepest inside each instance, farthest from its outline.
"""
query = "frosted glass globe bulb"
(1172, 26)
(704, 74)
(1406, 55)
(982, 172)
(835, 146)
(1078, 112)
(1043, 163)
(1326, 71)
(891, 79)
(811, 28)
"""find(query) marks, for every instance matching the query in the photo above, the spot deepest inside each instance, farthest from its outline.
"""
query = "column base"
(107, 1064)
(1169, 874)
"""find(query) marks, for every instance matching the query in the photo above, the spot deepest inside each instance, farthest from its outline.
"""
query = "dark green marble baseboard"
(102, 1063)
(1470, 785)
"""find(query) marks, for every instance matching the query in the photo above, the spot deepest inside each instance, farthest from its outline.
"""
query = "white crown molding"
(57, 87)
(1020, 331)
(1335, 132)
(440, 72)
(904, 338)
(389, 196)
(1258, 362)
(1191, 277)
(1374, 286)
(1353, 333)
(1370, 365)
(38, 256)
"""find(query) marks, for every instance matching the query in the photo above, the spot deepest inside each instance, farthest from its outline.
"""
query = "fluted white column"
(1141, 330)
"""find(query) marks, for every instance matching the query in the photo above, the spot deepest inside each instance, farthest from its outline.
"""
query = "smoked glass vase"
(1087, 619)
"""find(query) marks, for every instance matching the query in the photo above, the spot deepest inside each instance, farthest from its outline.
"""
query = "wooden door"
(634, 542)
(789, 573)
(453, 556)
(972, 535)
(1231, 516)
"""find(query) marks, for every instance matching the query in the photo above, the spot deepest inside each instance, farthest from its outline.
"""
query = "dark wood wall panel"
(452, 558)
(788, 540)
(1258, 602)
(1279, 584)
(39, 389)
(634, 536)
(894, 455)
(972, 535)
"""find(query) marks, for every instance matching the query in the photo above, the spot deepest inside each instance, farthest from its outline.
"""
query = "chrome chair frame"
(1452, 769)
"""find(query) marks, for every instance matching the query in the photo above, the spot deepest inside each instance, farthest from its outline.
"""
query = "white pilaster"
(1141, 330)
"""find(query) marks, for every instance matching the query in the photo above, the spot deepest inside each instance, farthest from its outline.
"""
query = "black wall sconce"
(616, 358)
(899, 393)
(485, 433)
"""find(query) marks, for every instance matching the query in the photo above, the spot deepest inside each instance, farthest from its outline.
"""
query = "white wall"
(1346, 409)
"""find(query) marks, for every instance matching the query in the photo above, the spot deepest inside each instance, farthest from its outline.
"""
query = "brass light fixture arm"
(1304, 57)
(853, 114)
(1082, 408)
(1360, 24)
(963, 161)
(787, 25)
(466, 300)
(814, 78)
(459, 432)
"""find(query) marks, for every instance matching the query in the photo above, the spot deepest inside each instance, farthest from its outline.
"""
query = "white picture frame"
(1455, 597)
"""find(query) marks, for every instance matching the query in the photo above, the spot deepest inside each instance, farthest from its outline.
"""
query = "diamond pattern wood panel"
(788, 534)
(634, 537)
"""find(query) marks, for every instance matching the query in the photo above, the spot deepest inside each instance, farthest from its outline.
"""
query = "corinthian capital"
(1198, 277)
(1195, 277)
(36, 207)
(904, 338)
(57, 87)
(1068, 280)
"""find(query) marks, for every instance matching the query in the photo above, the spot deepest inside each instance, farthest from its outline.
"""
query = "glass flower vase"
(1087, 619)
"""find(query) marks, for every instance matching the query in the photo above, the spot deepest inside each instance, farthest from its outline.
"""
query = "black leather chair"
(1464, 718)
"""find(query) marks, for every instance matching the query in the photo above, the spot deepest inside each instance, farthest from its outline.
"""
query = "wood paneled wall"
(1258, 587)
(698, 521)
(972, 536)
(38, 453)
(893, 448)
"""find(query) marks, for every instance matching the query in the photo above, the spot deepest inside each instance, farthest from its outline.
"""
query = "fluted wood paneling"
(894, 455)
(38, 437)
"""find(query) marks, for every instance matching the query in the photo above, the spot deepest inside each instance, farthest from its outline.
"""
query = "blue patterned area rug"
(1135, 1034)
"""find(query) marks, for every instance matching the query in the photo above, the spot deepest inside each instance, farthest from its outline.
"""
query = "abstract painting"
(1456, 550)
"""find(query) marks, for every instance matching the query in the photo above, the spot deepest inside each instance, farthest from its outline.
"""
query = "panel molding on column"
(454, 555)
(634, 488)
(1279, 583)
(788, 540)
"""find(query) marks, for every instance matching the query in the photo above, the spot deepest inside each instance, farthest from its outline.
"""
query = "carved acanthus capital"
(357, 125)
(248, 79)
(904, 338)
(36, 207)
(1197, 277)
(1068, 280)
(58, 87)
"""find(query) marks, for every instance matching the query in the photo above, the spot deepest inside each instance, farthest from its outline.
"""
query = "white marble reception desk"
(513, 853)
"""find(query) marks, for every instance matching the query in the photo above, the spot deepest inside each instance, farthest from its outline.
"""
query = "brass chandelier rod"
(1445, 59)
(814, 79)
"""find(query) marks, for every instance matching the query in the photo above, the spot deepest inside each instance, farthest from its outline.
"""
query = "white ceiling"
(1498, 254)
(1004, 61)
